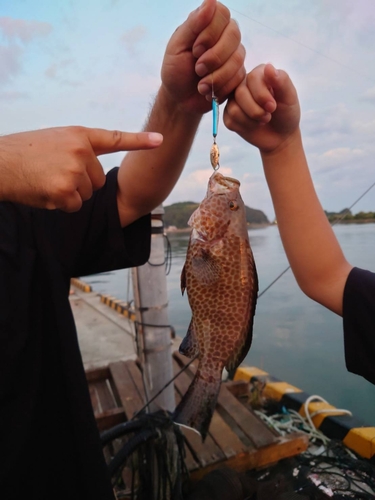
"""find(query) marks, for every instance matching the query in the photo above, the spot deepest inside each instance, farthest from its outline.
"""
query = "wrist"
(173, 113)
(289, 147)
(192, 106)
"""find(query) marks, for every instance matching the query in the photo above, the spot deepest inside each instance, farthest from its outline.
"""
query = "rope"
(168, 257)
(318, 412)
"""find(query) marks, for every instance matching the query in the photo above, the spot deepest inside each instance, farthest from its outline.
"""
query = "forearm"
(7, 171)
(311, 246)
(147, 177)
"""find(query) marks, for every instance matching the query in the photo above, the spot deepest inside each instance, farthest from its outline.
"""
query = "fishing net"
(146, 458)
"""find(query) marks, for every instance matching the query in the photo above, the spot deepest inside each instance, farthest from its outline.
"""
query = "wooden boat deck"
(237, 437)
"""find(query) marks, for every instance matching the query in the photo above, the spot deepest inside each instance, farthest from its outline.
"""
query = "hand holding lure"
(214, 153)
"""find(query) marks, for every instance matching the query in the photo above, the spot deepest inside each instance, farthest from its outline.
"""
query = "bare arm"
(58, 167)
(269, 119)
(206, 48)
(146, 178)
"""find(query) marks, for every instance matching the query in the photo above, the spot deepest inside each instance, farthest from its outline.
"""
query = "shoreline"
(358, 221)
(172, 229)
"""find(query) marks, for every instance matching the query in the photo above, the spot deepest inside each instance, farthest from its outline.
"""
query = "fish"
(221, 281)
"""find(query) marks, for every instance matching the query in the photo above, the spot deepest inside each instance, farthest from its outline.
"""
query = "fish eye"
(233, 206)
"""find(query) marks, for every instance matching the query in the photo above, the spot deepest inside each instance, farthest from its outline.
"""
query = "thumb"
(110, 141)
(197, 21)
(282, 86)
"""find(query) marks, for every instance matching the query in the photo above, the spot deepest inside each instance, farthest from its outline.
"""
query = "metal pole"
(151, 306)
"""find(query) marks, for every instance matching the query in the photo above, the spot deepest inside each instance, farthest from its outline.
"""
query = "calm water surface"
(295, 339)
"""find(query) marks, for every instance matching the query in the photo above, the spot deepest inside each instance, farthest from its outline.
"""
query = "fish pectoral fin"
(183, 280)
(206, 268)
(189, 345)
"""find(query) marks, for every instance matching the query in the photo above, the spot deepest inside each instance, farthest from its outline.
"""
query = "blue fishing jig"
(215, 116)
(214, 153)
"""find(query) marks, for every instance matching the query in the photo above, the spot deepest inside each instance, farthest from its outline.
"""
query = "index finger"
(212, 33)
(111, 141)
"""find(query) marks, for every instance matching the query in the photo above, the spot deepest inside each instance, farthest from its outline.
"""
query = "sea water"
(295, 339)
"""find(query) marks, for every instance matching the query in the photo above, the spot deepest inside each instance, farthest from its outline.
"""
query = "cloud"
(11, 52)
(340, 156)
(19, 29)
(369, 95)
(13, 95)
(132, 37)
(10, 62)
(55, 69)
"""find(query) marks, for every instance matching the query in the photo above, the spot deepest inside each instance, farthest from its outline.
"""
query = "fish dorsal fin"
(205, 268)
(189, 344)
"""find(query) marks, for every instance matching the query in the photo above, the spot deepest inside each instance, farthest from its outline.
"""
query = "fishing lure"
(214, 153)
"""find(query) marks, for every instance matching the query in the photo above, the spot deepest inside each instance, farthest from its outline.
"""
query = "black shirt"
(359, 323)
(49, 443)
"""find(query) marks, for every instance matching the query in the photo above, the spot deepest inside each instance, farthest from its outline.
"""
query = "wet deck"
(104, 335)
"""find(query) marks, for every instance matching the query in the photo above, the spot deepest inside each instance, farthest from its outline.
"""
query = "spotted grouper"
(222, 286)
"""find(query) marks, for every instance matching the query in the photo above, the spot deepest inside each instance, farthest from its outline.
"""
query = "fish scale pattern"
(221, 282)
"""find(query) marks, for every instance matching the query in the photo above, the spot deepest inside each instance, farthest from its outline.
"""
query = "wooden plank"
(105, 396)
(126, 389)
(237, 387)
(247, 421)
(285, 447)
(109, 418)
(136, 375)
(225, 437)
(183, 360)
(94, 398)
(94, 374)
(207, 452)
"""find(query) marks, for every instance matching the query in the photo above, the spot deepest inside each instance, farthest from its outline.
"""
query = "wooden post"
(154, 332)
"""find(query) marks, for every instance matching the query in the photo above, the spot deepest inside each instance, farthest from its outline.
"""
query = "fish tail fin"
(196, 408)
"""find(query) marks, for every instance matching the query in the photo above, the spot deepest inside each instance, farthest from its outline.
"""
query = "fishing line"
(215, 164)
(317, 52)
(165, 386)
(259, 295)
(333, 223)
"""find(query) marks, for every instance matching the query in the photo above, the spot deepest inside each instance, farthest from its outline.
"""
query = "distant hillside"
(178, 214)
(349, 217)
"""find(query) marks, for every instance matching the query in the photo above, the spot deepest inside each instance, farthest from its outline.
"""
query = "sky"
(97, 63)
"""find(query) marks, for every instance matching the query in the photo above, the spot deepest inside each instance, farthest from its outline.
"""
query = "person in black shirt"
(265, 112)
(49, 443)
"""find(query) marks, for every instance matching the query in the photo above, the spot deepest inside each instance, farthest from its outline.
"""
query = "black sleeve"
(359, 323)
(91, 240)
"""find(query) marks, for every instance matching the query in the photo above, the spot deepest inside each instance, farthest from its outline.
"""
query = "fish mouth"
(220, 184)
(232, 179)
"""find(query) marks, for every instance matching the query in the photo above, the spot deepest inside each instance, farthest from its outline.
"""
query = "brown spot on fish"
(222, 285)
